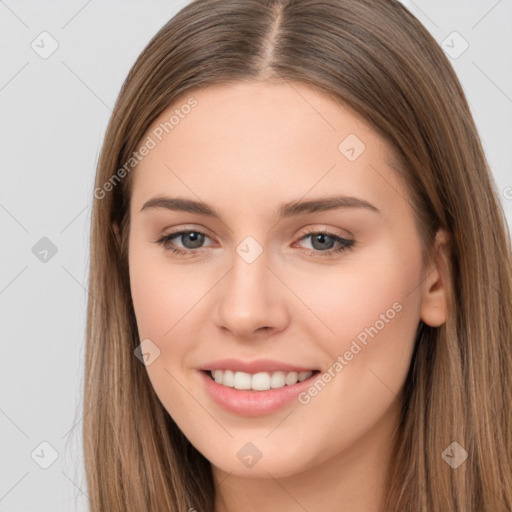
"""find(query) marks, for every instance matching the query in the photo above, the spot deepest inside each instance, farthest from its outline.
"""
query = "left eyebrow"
(290, 209)
(323, 204)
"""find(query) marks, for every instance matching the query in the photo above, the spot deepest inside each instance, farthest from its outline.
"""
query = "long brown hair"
(377, 58)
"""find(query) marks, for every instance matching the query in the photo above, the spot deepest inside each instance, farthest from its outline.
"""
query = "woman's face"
(303, 255)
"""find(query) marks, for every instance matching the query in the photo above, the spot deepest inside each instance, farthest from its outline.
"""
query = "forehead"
(253, 113)
(254, 141)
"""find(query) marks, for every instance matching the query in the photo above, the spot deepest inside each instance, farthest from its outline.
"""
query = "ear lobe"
(434, 306)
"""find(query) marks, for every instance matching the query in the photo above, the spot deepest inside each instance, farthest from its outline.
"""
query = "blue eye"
(196, 237)
(192, 241)
(322, 238)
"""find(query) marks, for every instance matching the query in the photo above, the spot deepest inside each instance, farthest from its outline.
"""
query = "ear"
(434, 305)
(115, 229)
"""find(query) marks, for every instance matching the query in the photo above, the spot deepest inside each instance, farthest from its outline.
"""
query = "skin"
(245, 149)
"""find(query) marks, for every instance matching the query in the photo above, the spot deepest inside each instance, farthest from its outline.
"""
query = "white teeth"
(291, 378)
(261, 381)
(228, 378)
(304, 375)
(277, 380)
(242, 381)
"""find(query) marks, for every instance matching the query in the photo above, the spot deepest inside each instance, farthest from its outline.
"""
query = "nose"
(251, 300)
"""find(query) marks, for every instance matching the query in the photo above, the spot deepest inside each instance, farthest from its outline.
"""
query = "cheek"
(368, 359)
(163, 294)
(379, 289)
(163, 298)
(171, 309)
(370, 310)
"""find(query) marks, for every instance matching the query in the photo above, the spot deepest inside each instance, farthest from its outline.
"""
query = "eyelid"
(185, 229)
(330, 231)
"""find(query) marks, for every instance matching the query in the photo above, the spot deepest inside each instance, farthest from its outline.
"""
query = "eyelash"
(345, 244)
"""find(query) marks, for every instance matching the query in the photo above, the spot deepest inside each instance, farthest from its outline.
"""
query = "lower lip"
(253, 403)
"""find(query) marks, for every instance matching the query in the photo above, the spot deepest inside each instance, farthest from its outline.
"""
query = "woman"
(300, 272)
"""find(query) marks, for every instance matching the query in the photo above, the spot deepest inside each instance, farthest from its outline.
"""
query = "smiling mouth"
(261, 381)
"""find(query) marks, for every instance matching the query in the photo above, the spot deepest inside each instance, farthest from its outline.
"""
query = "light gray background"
(54, 112)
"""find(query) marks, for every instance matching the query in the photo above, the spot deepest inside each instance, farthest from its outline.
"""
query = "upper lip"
(254, 366)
